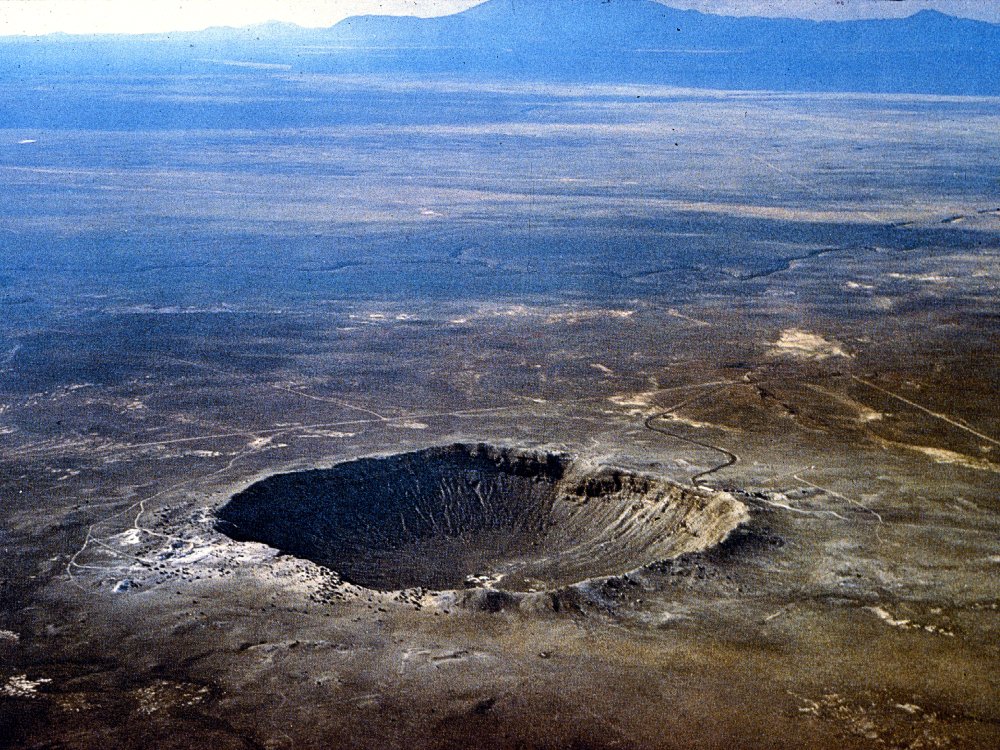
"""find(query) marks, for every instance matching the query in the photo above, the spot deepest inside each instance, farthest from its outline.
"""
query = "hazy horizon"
(42, 17)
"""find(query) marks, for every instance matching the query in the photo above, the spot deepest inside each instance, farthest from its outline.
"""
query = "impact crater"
(476, 515)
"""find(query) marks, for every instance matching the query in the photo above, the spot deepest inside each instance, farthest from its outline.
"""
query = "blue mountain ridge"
(576, 40)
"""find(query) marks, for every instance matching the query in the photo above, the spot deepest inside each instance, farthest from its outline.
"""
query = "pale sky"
(143, 16)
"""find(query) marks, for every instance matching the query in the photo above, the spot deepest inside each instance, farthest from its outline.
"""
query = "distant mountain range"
(579, 40)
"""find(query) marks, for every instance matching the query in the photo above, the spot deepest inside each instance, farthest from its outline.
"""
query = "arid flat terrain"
(789, 301)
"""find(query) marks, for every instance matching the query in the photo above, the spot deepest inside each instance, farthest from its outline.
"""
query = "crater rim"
(545, 520)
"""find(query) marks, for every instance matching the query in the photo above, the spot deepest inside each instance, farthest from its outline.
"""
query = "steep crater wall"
(477, 515)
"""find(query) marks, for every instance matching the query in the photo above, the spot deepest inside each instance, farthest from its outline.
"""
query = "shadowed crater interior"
(462, 515)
